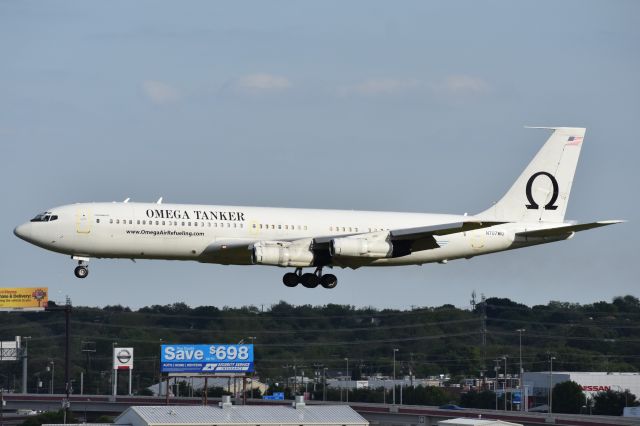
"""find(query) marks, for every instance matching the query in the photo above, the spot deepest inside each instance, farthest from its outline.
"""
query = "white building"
(591, 382)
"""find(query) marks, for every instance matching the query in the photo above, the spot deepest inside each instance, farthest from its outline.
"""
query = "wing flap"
(443, 229)
(566, 230)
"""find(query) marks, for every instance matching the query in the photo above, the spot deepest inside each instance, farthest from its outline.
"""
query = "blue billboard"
(206, 359)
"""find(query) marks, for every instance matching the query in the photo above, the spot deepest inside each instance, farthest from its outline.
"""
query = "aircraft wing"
(408, 240)
(566, 230)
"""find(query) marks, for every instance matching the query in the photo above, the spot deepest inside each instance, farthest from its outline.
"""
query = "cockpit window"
(40, 218)
(44, 217)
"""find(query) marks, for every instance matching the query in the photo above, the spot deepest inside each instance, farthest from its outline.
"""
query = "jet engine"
(361, 247)
(279, 254)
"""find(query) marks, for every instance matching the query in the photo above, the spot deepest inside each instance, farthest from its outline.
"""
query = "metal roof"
(241, 414)
(476, 422)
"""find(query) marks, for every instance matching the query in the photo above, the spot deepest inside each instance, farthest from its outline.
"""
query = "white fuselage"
(188, 232)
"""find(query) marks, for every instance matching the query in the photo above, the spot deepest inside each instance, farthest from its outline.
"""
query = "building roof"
(476, 422)
(241, 414)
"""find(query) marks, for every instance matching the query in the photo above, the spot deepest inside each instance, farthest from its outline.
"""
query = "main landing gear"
(82, 270)
(309, 280)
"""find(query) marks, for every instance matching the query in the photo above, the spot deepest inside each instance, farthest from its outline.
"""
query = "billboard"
(206, 359)
(24, 299)
(123, 358)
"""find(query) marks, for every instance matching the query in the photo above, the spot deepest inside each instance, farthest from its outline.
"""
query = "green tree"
(474, 399)
(55, 417)
(567, 398)
(612, 403)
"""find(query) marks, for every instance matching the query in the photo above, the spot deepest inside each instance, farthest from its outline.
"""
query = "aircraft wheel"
(81, 271)
(329, 281)
(290, 279)
(309, 280)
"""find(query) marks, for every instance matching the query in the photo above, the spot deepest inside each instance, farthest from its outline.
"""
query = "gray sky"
(411, 106)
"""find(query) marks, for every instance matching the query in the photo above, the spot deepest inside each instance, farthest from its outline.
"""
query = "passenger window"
(241, 225)
(182, 223)
(286, 227)
(273, 227)
(188, 223)
(117, 221)
(54, 217)
(130, 221)
(350, 229)
(110, 220)
(138, 222)
(157, 222)
(279, 226)
(97, 220)
(228, 225)
(195, 223)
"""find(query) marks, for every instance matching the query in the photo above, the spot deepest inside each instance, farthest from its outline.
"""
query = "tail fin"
(541, 193)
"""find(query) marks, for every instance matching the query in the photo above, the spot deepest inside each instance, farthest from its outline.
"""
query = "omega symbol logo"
(551, 204)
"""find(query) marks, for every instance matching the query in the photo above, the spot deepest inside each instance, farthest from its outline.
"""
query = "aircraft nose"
(23, 231)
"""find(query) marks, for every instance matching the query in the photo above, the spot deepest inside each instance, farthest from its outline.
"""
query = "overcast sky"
(411, 106)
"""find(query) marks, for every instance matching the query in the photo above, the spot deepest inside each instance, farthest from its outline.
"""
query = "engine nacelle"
(277, 254)
(361, 247)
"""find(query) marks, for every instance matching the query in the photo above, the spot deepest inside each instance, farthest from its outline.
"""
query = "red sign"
(595, 388)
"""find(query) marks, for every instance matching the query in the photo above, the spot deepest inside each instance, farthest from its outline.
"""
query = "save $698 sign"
(206, 359)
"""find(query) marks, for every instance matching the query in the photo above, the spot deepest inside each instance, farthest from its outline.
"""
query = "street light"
(348, 378)
(496, 368)
(551, 358)
(505, 382)
(394, 375)
(522, 403)
(52, 368)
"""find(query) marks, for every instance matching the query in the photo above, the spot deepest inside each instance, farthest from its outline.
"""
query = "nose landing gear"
(310, 280)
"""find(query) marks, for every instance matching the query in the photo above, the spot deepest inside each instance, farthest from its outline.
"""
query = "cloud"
(387, 86)
(261, 82)
(452, 85)
(465, 84)
(160, 93)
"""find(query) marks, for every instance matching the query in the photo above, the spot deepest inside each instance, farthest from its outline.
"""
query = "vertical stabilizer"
(541, 192)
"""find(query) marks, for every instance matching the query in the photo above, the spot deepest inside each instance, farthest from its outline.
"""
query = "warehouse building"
(298, 414)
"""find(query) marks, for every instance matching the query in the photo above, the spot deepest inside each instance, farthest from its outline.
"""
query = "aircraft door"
(83, 221)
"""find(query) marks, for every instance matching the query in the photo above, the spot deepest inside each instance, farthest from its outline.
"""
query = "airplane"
(530, 213)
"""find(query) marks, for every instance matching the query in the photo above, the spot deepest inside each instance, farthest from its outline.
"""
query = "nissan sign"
(123, 358)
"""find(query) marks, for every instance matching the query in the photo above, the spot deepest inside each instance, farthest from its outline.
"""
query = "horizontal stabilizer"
(565, 230)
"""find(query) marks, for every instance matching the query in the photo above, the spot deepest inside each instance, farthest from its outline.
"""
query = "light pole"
(52, 368)
(394, 375)
(505, 382)
(25, 354)
(522, 403)
(348, 378)
(324, 384)
(253, 373)
(496, 368)
(551, 358)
